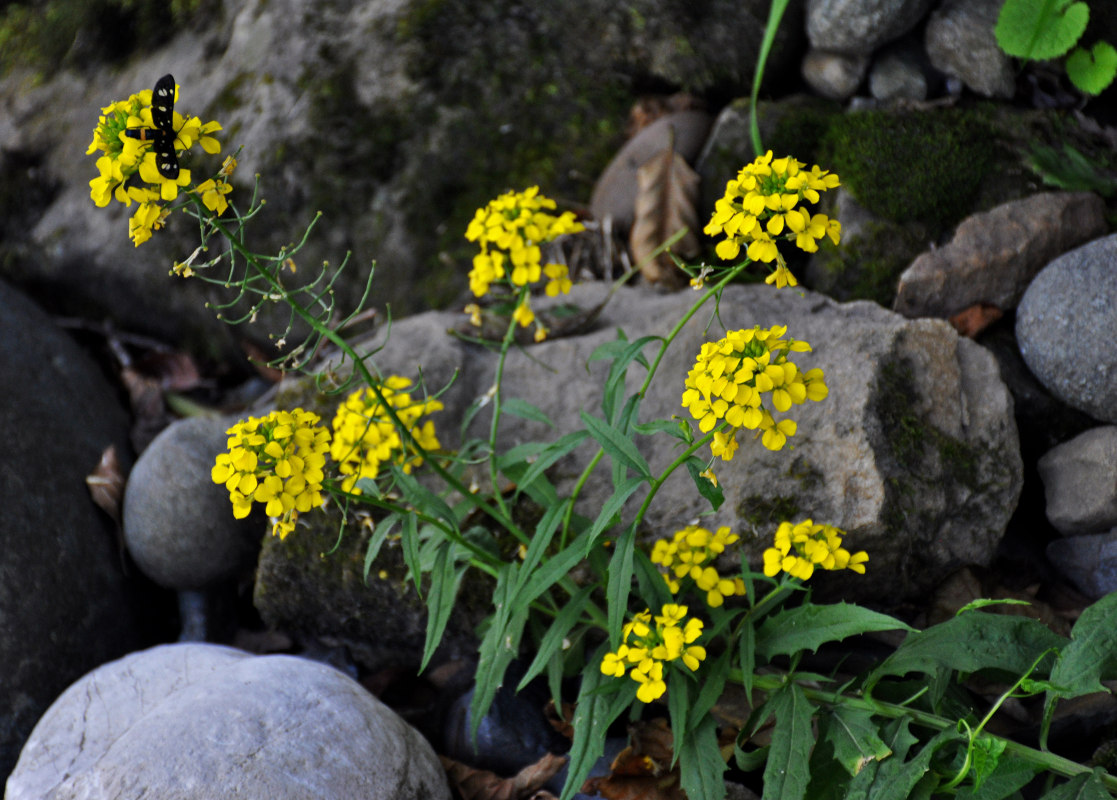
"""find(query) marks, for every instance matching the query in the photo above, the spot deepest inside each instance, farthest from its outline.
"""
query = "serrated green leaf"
(1011, 775)
(895, 777)
(618, 446)
(552, 640)
(969, 643)
(1087, 786)
(525, 410)
(704, 485)
(1093, 70)
(446, 577)
(792, 739)
(601, 699)
(1090, 656)
(1040, 29)
(700, 764)
(854, 737)
(810, 626)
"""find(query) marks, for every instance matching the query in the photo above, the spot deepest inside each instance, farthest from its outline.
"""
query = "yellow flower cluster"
(766, 202)
(365, 436)
(127, 163)
(801, 548)
(730, 377)
(276, 460)
(646, 648)
(510, 230)
(687, 555)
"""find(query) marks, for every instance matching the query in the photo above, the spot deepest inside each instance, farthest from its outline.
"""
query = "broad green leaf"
(620, 580)
(1011, 775)
(1040, 29)
(894, 777)
(971, 642)
(853, 735)
(785, 774)
(1090, 656)
(700, 762)
(611, 509)
(525, 410)
(810, 626)
(446, 577)
(1087, 786)
(618, 446)
(552, 640)
(379, 536)
(704, 485)
(601, 699)
(1093, 70)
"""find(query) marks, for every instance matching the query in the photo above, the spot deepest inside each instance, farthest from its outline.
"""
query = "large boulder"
(64, 599)
(914, 452)
(180, 722)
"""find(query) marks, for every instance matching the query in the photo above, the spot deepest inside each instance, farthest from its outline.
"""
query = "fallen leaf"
(106, 483)
(480, 784)
(971, 321)
(642, 771)
(666, 201)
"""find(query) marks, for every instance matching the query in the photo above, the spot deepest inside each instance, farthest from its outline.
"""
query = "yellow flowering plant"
(668, 624)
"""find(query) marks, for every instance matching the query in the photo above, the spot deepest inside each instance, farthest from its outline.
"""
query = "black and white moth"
(162, 136)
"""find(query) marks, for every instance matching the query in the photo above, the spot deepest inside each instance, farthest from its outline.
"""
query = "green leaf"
(620, 580)
(971, 642)
(615, 382)
(601, 699)
(619, 447)
(446, 577)
(525, 410)
(712, 678)
(610, 510)
(1040, 29)
(700, 762)
(552, 640)
(1090, 656)
(985, 755)
(704, 485)
(746, 644)
(541, 540)
(667, 426)
(792, 740)
(649, 581)
(853, 735)
(500, 644)
(409, 538)
(1092, 71)
(379, 536)
(1087, 786)
(549, 455)
(424, 499)
(1011, 775)
(810, 626)
(894, 777)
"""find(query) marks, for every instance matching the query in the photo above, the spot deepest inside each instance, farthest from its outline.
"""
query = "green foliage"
(1071, 170)
(1044, 29)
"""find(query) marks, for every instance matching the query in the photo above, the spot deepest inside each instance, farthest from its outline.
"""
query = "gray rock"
(994, 255)
(1080, 479)
(614, 194)
(914, 453)
(861, 26)
(1089, 562)
(834, 75)
(64, 605)
(186, 721)
(178, 523)
(900, 72)
(959, 41)
(1067, 329)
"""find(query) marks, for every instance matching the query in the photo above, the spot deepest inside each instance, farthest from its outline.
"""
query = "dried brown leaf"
(642, 771)
(106, 483)
(666, 203)
(971, 321)
(480, 784)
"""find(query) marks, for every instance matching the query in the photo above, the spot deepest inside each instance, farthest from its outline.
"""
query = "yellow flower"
(648, 644)
(277, 460)
(764, 204)
(798, 549)
(366, 437)
(687, 556)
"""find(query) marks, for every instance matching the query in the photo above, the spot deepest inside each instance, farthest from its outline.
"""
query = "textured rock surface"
(914, 452)
(178, 523)
(1080, 479)
(860, 26)
(994, 255)
(959, 41)
(63, 596)
(1067, 329)
(1090, 562)
(181, 722)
